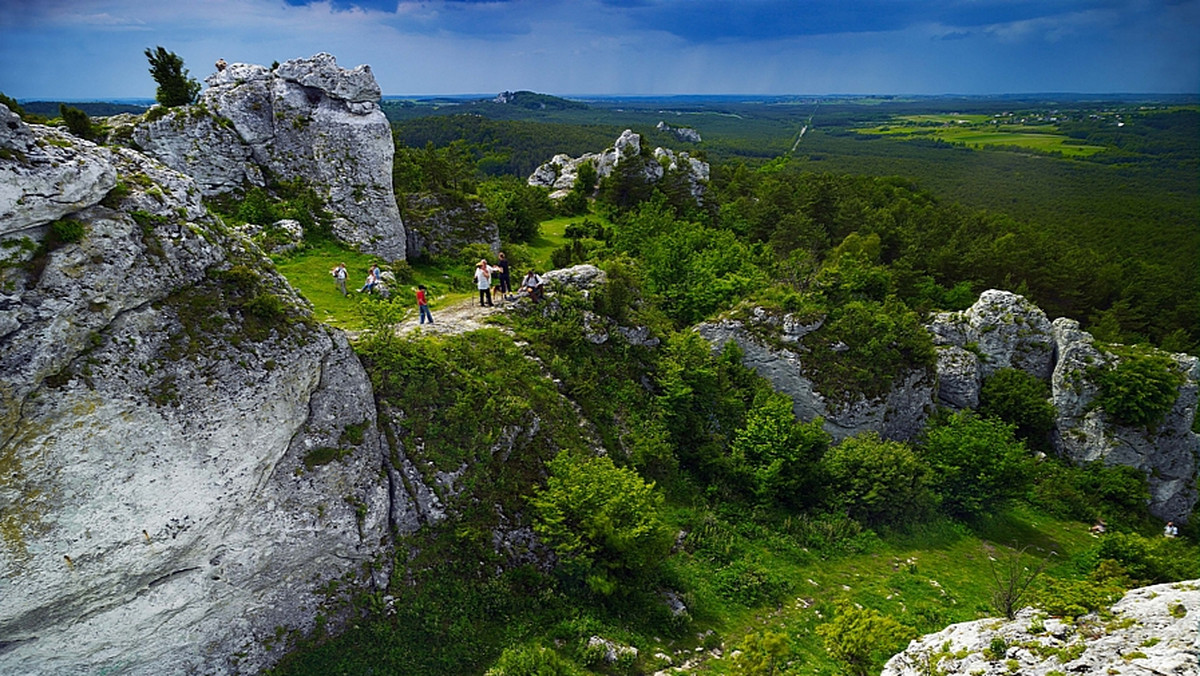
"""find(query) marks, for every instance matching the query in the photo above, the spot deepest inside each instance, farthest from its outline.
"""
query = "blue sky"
(80, 49)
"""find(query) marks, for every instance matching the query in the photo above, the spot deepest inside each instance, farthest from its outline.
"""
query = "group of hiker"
(487, 276)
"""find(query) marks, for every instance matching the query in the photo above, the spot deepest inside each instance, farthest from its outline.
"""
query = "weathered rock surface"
(307, 120)
(44, 176)
(560, 172)
(899, 414)
(185, 458)
(1001, 330)
(686, 134)
(1154, 631)
(1004, 330)
(1084, 432)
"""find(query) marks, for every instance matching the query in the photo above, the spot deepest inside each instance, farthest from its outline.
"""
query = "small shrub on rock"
(1140, 389)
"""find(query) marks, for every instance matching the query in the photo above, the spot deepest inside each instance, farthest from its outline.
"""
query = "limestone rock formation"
(560, 172)
(1001, 330)
(1084, 432)
(1004, 330)
(186, 459)
(44, 176)
(899, 414)
(686, 134)
(1154, 631)
(307, 120)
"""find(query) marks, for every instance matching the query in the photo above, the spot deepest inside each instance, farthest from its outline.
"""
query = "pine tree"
(175, 88)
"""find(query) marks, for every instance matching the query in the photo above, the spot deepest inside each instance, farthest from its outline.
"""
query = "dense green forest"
(692, 516)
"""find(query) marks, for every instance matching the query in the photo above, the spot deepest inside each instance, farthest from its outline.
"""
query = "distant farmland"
(977, 131)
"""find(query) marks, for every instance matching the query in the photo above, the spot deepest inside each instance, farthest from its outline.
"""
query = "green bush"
(778, 456)
(878, 342)
(64, 231)
(763, 654)
(471, 254)
(878, 481)
(975, 463)
(77, 121)
(1119, 494)
(1017, 398)
(1139, 389)
(602, 521)
(1063, 597)
(750, 583)
(532, 660)
(257, 207)
(861, 638)
(1150, 560)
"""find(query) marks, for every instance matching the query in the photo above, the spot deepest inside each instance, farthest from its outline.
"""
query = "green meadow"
(974, 131)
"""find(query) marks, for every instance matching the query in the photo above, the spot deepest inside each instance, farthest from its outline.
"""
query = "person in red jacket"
(423, 304)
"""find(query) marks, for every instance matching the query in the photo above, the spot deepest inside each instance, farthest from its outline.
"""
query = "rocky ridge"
(560, 172)
(686, 134)
(1001, 330)
(307, 120)
(1152, 630)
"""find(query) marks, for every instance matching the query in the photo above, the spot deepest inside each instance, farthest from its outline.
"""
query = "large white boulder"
(1153, 630)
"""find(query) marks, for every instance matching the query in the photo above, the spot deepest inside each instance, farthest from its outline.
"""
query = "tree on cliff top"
(175, 88)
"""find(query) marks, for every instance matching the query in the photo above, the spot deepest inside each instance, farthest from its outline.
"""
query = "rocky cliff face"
(1154, 630)
(560, 172)
(1166, 451)
(186, 460)
(1004, 330)
(307, 120)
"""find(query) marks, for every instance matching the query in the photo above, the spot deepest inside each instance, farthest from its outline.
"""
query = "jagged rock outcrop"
(898, 414)
(686, 134)
(1001, 330)
(1154, 630)
(442, 225)
(307, 120)
(560, 172)
(1084, 432)
(1004, 330)
(186, 460)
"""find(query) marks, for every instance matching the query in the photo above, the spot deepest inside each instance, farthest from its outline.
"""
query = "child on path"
(423, 304)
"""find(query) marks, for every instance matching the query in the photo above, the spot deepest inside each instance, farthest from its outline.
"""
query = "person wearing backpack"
(339, 276)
